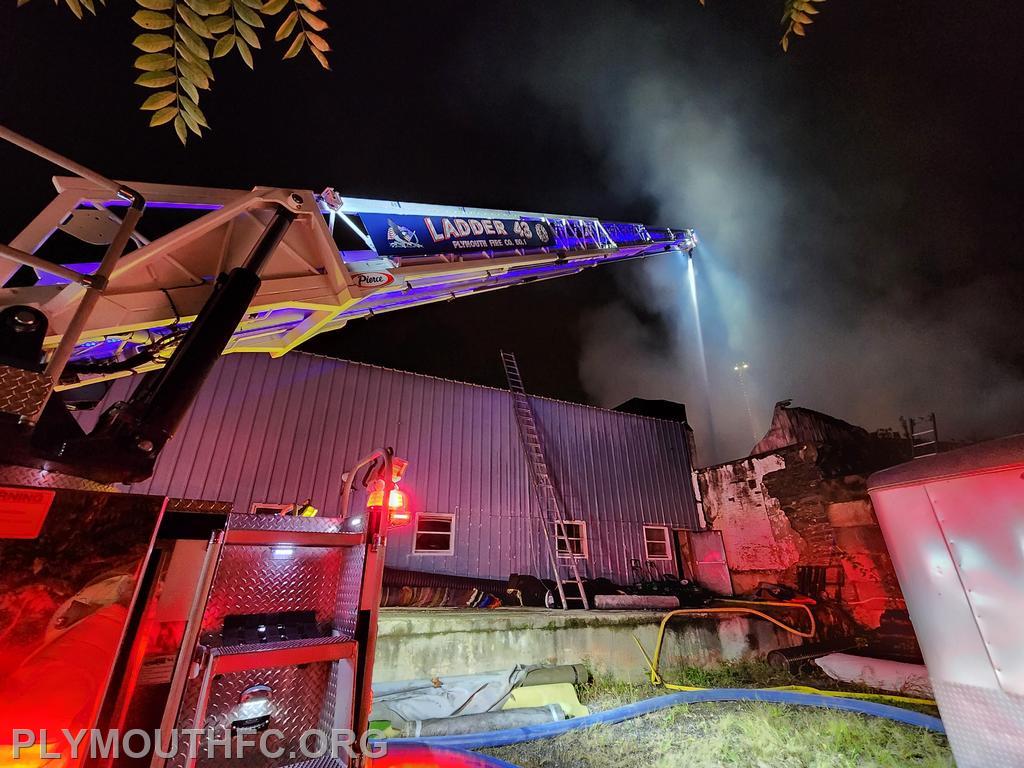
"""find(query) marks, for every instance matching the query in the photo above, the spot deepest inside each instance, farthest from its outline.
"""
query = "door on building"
(703, 556)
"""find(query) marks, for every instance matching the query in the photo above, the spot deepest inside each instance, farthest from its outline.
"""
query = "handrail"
(95, 283)
(58, 159)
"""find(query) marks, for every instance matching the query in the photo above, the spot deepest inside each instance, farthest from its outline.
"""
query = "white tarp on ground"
(894, 676)
(410, 700)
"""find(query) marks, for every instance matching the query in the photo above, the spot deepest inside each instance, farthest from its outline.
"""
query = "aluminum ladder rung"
(547, 493)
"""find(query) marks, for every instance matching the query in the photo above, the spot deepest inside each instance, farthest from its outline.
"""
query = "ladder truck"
(122, 611)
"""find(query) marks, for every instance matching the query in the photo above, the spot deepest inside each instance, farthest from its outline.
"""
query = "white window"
(657, 542)
(573, 543)
(435, 535)
(263, 508)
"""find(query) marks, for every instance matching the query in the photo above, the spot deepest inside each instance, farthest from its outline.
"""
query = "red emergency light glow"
(398, 503)
(398, 508)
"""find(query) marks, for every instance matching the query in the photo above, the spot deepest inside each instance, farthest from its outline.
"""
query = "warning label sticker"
(23, 511)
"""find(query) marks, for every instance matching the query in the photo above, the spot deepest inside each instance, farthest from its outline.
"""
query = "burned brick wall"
(802, 506)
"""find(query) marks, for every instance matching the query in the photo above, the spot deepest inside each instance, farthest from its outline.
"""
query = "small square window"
(574, 541)
(435, 535)
(657, 542)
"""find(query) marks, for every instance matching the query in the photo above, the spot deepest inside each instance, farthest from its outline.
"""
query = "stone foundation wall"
(788, 508)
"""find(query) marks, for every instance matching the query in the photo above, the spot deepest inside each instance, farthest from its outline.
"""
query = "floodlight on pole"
(741, 369)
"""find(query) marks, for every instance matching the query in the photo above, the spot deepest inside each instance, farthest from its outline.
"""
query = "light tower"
(741, 369)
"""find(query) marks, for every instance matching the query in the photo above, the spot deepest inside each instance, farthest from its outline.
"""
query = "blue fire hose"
(476, 741)
(420, 754)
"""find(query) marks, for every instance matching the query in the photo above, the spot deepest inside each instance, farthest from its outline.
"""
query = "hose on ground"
(657, 680)
(418, 754)
(653, 663)
(610, 717)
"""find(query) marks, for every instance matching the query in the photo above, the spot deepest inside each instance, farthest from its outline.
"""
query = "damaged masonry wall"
(790, 507)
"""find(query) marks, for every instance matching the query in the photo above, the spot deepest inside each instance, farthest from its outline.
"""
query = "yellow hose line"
(881, 697)
(778, 604)
(656, 678)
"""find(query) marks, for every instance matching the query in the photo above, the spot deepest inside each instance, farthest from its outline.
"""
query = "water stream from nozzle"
(691, 275)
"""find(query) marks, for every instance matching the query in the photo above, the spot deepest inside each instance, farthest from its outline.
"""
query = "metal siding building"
(281, 430)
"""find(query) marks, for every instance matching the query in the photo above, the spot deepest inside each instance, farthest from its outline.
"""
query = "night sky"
(858, 199)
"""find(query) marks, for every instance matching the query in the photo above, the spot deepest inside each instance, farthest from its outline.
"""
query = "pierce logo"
(373, 279)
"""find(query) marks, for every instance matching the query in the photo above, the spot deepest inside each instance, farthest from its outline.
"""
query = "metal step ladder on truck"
(124, 611)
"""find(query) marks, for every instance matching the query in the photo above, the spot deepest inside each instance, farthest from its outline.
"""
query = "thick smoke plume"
(814, 267)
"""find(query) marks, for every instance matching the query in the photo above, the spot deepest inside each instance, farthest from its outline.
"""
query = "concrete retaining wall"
(424, 643)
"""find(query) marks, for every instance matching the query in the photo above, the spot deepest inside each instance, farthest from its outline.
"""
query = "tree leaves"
(248, 34)
(318, 42)
(209, 7)
(158, 100)
(189, 88)
(287, 26)
(309, 25)
(319, 55)
(77, 7)
(178, 57)
(193, 20)
(247, 14)
(296, 45)
(192, 109)
(155, 61)
(194, 74)
(796, 17)
(179, 128)
(272, 7)
(314, 22)
(193, 43)
(153, 43)
(181, 38)
(152, 20)
(191, 123)
(219, 24)
(244, 52)
(162, 116)
(224, 46)
(155, 79)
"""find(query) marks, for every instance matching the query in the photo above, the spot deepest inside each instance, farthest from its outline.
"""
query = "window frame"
(450, 518)
(584, 553)
(668, 556)
(268, 505)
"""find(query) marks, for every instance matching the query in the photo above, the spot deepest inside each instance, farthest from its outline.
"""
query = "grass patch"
(733, 734)
(738, 735)
(737, 674)
(740, 674)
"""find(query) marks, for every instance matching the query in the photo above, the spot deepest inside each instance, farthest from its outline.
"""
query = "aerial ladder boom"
(112, 279)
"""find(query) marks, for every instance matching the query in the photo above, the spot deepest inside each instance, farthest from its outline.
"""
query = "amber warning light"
(398, 503)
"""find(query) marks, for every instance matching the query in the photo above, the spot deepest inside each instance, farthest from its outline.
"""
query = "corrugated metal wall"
(280, 430)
